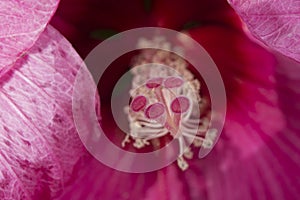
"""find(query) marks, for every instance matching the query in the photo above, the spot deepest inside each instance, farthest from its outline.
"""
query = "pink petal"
(252, 161)
(270, 173)
(168, 185)
(274, 22)
(248, 72)
(176, 15)
(257, 156)
(39, 142)
(89, 16)
(288, 74)
(96, 181)
(21, 23)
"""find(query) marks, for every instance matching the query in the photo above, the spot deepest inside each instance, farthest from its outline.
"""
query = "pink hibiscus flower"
(257, 155)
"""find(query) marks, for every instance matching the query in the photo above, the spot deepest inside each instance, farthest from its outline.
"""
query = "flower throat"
(165, 100)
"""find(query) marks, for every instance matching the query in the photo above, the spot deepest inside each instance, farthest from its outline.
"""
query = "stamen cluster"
(165, 99)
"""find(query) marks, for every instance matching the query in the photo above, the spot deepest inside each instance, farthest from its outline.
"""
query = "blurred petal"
(96, 181)
(248, 161)
(88, 16)
(92, 14)
(270, 173)
(168, 185)
(248, 73)
(288, 75)
(38, 141)
(178, 14)
(274, 22)
(21, 23)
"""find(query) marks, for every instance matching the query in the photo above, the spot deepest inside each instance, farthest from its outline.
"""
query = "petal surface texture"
(21, 24)
(274, 22)
(38, 139)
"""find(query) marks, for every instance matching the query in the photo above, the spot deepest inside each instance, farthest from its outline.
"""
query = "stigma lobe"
(173, 82)
(154, 82)
(138, 103)
(155, 110)
(180, 104)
